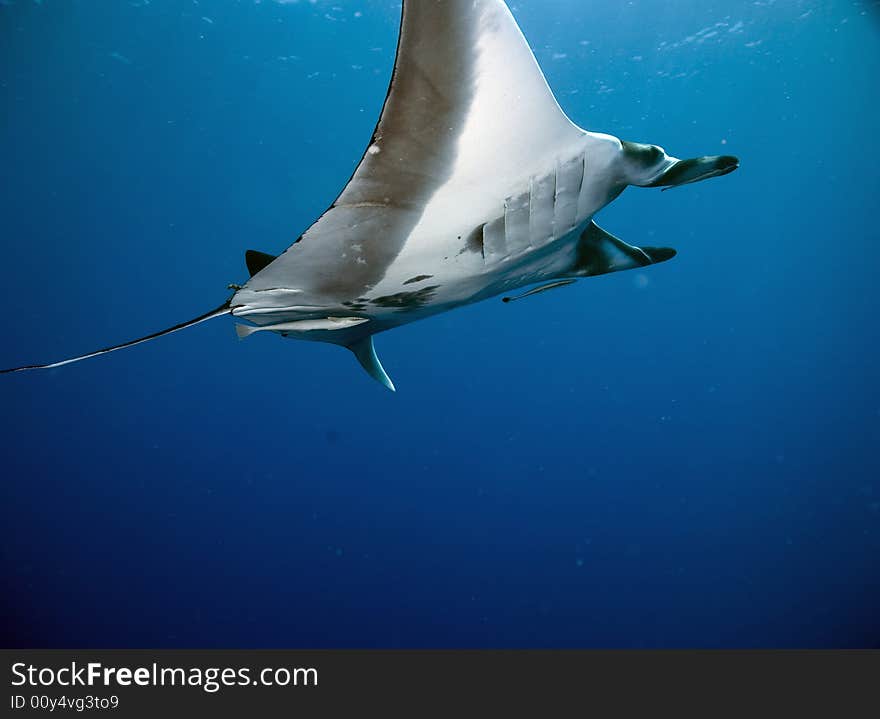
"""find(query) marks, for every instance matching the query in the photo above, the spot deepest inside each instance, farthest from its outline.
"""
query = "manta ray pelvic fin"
(365, 352)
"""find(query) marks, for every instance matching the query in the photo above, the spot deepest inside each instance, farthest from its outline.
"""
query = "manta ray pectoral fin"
(256, 261)
(365, 352)
(600, 252)
(466, 94)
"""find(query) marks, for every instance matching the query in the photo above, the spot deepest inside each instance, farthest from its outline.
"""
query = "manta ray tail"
(221, 310)
(366, 354)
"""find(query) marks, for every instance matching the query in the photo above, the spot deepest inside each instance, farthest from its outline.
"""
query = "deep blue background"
(680, 456)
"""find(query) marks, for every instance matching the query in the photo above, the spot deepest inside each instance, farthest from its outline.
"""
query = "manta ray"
(474, 184)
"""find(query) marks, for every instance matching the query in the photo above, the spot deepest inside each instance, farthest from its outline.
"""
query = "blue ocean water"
(681, 456)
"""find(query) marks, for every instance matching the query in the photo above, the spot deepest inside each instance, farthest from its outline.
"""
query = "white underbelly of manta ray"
(475, 183)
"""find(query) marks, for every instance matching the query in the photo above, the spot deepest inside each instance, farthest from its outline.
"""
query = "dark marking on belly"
(417, 278)
(407, 300)
(474, 242)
